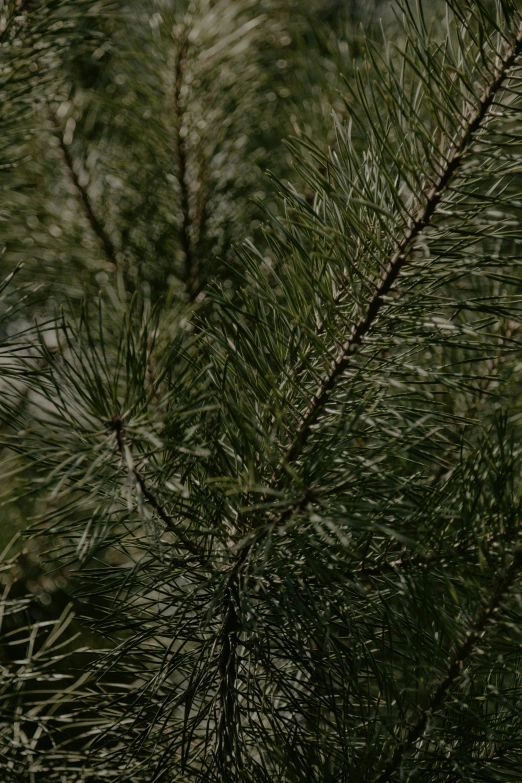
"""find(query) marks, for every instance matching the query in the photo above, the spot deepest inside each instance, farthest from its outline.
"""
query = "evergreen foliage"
(264, 485)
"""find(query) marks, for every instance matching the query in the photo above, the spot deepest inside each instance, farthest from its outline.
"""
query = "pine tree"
(266, 482)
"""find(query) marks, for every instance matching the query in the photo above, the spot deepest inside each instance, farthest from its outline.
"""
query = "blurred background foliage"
(148, 130)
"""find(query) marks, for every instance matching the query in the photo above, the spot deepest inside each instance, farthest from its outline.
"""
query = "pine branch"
(96, 226)
(461, 656)
(448, 168)
(400, 259)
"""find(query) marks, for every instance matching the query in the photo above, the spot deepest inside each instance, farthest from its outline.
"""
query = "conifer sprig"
(452, 161)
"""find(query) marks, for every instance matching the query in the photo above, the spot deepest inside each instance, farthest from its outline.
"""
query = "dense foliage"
(260, 443)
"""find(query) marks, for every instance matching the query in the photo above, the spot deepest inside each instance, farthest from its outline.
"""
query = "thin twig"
(181, 156)
(163, 514)
(96, 226)
(116, 425)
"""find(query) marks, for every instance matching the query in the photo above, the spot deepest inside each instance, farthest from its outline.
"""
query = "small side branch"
(190, 272)
(97, 228)
(164, 515)
(116, 425)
